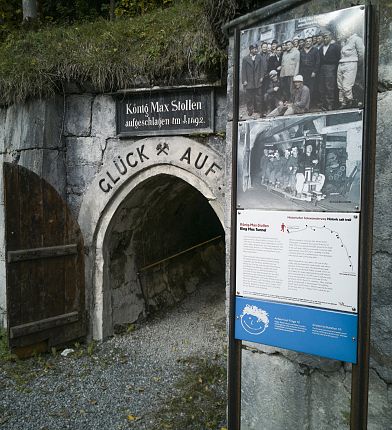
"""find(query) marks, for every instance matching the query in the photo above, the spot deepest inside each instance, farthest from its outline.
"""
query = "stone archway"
(182, 158)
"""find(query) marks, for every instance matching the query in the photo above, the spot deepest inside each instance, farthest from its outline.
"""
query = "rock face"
(71, 142)
(282, 389)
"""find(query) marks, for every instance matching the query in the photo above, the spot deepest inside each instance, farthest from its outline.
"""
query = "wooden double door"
(44, 257)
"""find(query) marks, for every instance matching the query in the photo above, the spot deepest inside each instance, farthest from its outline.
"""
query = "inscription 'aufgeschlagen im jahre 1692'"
(169, 112)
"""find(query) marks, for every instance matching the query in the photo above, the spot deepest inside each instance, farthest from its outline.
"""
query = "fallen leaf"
(131, 417)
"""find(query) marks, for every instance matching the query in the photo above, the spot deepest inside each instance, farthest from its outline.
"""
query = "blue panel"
(315, 331)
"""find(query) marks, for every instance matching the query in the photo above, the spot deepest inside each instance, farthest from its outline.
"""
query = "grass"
(5, 353)
(200, 402)
(20, 372)
(164, 47)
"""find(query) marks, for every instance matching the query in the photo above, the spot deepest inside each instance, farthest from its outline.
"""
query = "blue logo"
(254, 320)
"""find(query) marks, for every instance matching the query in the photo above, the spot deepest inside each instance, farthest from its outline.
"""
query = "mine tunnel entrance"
(164, 242)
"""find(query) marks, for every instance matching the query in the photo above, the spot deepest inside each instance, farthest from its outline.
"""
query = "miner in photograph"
(264, 54)
(264, 167)
(352, 51)
(329, 60)
(309, 65)
(285, 169)
(292, 169)
(273, 93)
(309, 159)
(320, 40)
(276, 170)
(290, 68)
(308, 165)
(253, 71)
(299, 101)
(300, 97)
(274, 59)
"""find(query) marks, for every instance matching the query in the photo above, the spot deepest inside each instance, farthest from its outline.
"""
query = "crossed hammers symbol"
(162, 148)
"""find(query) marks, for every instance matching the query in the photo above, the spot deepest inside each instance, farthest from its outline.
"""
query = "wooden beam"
(45, 324)
(40, 253)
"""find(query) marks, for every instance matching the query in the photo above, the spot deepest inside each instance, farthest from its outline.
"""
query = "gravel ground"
(125, 376)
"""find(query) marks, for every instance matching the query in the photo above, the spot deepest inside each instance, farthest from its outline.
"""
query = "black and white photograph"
(306, 162)
(309, 64)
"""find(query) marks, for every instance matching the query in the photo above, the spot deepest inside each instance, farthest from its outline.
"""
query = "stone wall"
(282, 389)
(90, 139)
(92, 147)
(71, 139)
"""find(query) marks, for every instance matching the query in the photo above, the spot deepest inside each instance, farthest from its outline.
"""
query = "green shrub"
(163, 47)
(139, 7)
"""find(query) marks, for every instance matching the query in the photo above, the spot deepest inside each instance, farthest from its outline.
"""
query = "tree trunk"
(29, 10)
(111, 9)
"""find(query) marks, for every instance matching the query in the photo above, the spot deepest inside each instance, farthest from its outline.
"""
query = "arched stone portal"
(139, 174)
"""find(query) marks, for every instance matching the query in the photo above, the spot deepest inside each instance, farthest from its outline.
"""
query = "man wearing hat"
(273, 93)
(274, 58)
(309, 65)
(300, 97)
(299, 102)
(351, 53)
(252, 74)
(264, 54)
(290, 68)
(329, 60)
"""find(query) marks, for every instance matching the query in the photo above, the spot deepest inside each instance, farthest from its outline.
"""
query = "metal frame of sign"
(120, 95)
(360, 372)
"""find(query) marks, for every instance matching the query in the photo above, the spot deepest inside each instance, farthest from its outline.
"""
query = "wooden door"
(44, 265)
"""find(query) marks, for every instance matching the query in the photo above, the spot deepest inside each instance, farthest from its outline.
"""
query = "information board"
(299, 157)
(306, 258)
(303, 134)
(305, 329)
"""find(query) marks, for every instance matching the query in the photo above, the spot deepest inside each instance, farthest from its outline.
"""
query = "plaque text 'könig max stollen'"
(168, 112)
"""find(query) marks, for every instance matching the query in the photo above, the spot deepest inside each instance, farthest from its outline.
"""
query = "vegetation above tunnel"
(164, 47)
(106, 45)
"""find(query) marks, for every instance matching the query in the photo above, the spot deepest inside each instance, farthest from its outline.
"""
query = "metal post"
(360, 371)
(234, 364)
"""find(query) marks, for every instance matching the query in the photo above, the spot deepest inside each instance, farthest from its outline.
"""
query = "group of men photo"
(296, 171)
(303, 74)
